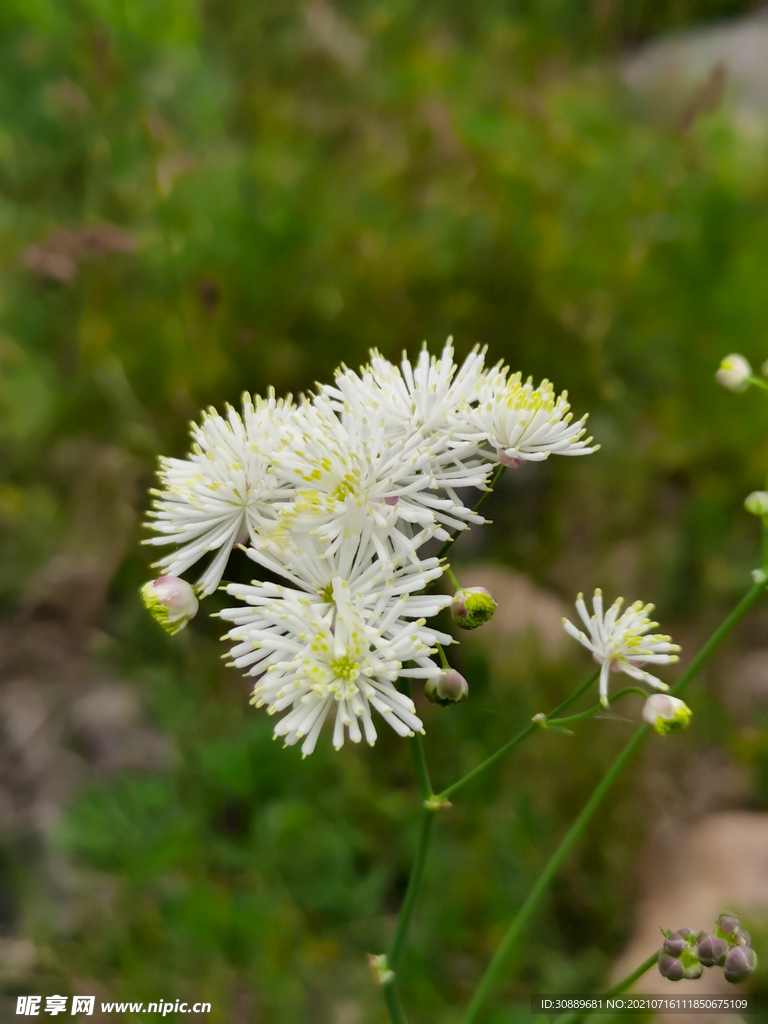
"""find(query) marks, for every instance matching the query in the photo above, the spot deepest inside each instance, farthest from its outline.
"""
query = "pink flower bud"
(171, 602)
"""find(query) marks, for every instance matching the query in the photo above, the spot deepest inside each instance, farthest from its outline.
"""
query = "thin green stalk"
(628, 982)
(397, 946)
(450, 574)
(478, 505)
(569, 840)
(392, 999)
(515, 741)
(591, 712)
(443, 660)
(420, 767)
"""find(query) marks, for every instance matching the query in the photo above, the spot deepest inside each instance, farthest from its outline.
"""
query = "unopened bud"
(757, 503)
(171, 602)
(728, 925)
(447, 688)
(712, 951)
(693, 971)
(670, 967)
(734, 373)
(674, 944)
(472, 606)
(666, 714)
(739, 963)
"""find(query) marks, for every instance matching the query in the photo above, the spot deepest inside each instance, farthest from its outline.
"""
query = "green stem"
(758, 382)
(443, 660)
(478, 505)
(450, 574)
(569, 840)
(392, 999)
(590, 712)
(515, 741)
(628, 982)
(420, 767)
(397, 946)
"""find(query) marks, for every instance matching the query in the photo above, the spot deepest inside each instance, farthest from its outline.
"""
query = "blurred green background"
(199, 198)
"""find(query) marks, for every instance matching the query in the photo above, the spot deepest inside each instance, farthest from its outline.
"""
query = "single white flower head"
(421, 398)
(757, 503)
(618, 640)
(523, 423)
(171, 602)
(220, 494)
(355, 485)
(337, 651)
(734, 373)
(666, 714)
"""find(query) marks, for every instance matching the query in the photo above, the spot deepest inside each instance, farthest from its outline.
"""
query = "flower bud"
(734, 373)
(670, 967)
(171, 602)
(674, 944)
(693, 971)
(757, 503)
(739, 963)
(666, 714)
(448, 688)
(472, 606)
(728, 925)
(742, 938)
(712, 951)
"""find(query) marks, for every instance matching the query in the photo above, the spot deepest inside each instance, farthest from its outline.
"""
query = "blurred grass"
(302, 183)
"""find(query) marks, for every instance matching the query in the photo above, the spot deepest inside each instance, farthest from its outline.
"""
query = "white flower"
(666, 714)
(524, 423)
(734, 373)
(339, 649)
(221, 493)
(618, 641)
(354, 485)
(424, 399)
(170, 601)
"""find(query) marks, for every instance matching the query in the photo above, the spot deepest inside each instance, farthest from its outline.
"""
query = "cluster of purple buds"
(685, 955)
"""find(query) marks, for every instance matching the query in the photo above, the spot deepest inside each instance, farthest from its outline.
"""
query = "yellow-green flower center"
(345, 668)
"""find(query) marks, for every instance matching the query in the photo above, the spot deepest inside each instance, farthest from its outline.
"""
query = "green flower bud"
(170, 601)
(447, 688)
(666, 714)
(693, 971)
(712, 951)
(472, 606)
(757, 503)
(739, 963)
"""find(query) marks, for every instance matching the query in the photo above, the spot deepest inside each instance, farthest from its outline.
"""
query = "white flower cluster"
(336, 495)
